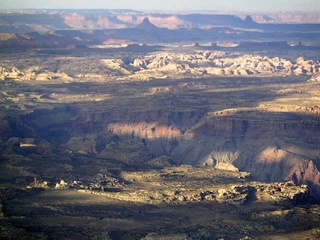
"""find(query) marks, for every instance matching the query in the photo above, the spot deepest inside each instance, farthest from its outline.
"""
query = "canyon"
(112, 137)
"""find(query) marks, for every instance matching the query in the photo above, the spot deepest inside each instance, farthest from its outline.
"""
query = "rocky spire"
(146, 24)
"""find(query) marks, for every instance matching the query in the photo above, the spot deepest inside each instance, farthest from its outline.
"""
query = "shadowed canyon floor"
(181, 141)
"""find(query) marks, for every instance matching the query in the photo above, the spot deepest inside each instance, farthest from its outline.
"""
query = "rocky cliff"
(271, 146)
(270, 150)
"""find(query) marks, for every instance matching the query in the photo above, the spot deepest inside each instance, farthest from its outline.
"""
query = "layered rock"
(245, 143)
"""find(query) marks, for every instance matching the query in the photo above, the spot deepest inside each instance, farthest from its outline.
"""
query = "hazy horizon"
(171, 5)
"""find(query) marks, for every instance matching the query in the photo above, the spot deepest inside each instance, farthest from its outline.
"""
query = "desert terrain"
(151, 131)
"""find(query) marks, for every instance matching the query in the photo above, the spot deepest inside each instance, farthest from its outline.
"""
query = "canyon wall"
(271, 150)
(271, 146)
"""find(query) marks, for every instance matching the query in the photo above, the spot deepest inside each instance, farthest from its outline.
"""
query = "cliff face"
(269, 148)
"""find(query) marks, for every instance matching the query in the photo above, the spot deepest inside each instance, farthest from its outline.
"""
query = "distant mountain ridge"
(48, 20)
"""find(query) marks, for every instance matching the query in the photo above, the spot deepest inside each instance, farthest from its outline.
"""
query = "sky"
(169, 5)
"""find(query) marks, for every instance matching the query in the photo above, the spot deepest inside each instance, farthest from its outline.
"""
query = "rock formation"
(198, 64)
(31, 74)
(207, 63)
(105, 137)
(47, 20)
(146, 25)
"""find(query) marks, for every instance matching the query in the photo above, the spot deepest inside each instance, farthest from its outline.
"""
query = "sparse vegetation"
(145, 141)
